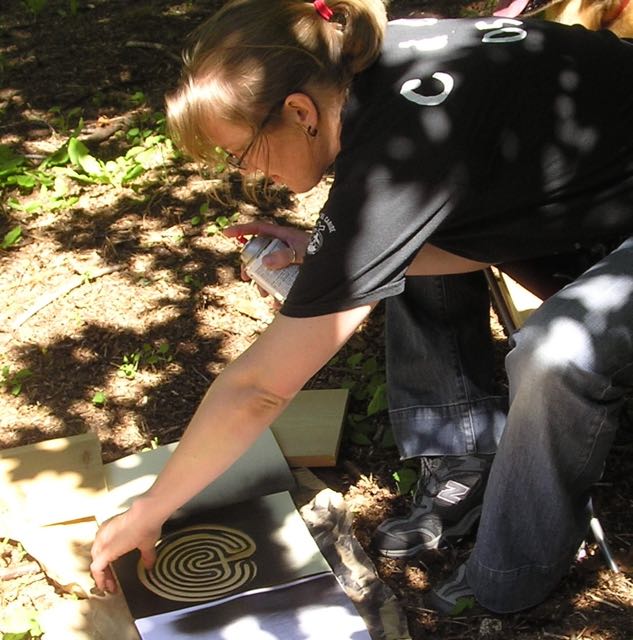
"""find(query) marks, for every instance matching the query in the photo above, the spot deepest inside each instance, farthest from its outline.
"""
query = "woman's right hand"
(118, 535)
(296, 239)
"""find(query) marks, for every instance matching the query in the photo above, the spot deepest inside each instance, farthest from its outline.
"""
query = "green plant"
(15, 381)
(462, 604)
(11, 238)
(73, 163)
(203, 214)
(220, 223)
(138, 98)
(130, 365)
(153, 152)
(14, 172)
(406, 479)
(71, 122)
(148, 355)
(217, 224)
(192, 281)
(35, 6)
(10, 165)
(154, 124)
(156, 355)
(99, 399)
(366, 380)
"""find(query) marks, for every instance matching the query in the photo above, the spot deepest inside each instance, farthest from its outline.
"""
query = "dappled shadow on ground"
(159, 306)
(174, 298)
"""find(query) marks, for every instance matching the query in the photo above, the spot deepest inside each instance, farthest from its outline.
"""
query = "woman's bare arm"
(433, 261)
(244, 400)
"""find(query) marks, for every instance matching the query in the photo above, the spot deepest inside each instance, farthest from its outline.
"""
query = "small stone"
(490, 628)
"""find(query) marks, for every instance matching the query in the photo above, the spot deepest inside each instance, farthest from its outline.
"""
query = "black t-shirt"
(495, 139)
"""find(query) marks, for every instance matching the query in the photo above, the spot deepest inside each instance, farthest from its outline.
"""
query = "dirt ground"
(121, 306)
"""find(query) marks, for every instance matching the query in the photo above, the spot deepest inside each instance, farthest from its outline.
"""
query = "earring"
(312, 132)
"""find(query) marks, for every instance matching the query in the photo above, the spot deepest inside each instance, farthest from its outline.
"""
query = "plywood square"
(52, 481)
(260, 470)
(518, 302)
(309, 430)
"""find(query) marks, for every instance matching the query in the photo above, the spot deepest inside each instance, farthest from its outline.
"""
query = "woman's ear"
(301, 110)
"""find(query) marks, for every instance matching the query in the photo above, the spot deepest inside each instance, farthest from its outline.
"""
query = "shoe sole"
(458, 530)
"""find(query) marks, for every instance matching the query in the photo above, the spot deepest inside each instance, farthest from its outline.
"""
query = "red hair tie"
(323, 10)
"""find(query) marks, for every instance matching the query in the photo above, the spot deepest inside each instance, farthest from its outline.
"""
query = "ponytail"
(363, 25)
(251, 54)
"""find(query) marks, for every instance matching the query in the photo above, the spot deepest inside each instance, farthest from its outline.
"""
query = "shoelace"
(427, 485)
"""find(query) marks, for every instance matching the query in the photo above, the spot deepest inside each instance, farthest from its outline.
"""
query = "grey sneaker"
(447, 504)
(453, 596)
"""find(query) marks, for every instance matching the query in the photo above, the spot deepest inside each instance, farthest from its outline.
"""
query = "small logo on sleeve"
(323, 226)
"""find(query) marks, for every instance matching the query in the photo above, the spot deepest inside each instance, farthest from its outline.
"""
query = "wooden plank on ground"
(524, 302)
(262, 469)
(52, 481)
(518, 301)
(309, 430)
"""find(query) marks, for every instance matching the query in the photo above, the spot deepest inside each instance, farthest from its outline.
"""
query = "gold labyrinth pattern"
(200, 563)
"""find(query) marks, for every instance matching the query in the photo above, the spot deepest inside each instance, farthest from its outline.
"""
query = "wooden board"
(52, 481)
(522, 301)
(309, 430)
(518, 301)
(260, 470)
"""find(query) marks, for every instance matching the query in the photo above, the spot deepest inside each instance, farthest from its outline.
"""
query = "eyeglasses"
(237, 162)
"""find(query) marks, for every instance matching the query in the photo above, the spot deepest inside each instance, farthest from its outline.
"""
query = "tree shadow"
(57, 61)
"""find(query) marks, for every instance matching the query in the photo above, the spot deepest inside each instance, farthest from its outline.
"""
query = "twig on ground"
(380, 432)
(603, 601)
(169, 430)
(154, 45)
(100, 134)
(205, 378)
(10, 573)
(61, 291)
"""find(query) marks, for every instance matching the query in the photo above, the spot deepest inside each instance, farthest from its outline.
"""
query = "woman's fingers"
(281, 258)
(102, 575)
(148, 555)
(254, 229)
(296, 239)
(116, 537)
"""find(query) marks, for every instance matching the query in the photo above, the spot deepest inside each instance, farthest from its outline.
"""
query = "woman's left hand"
(118, 535)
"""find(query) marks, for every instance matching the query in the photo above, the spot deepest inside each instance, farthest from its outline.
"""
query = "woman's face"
(283, 151)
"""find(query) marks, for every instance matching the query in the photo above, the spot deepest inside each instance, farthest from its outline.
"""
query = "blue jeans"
(570, 367)
(441, 386)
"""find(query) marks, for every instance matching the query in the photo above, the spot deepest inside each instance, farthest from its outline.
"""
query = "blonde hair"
(251, 54)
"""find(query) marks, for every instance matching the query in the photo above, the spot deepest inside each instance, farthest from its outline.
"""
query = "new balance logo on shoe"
(453, 492)
(446, 505)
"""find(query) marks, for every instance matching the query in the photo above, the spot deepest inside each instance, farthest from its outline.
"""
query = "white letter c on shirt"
(409, 87)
